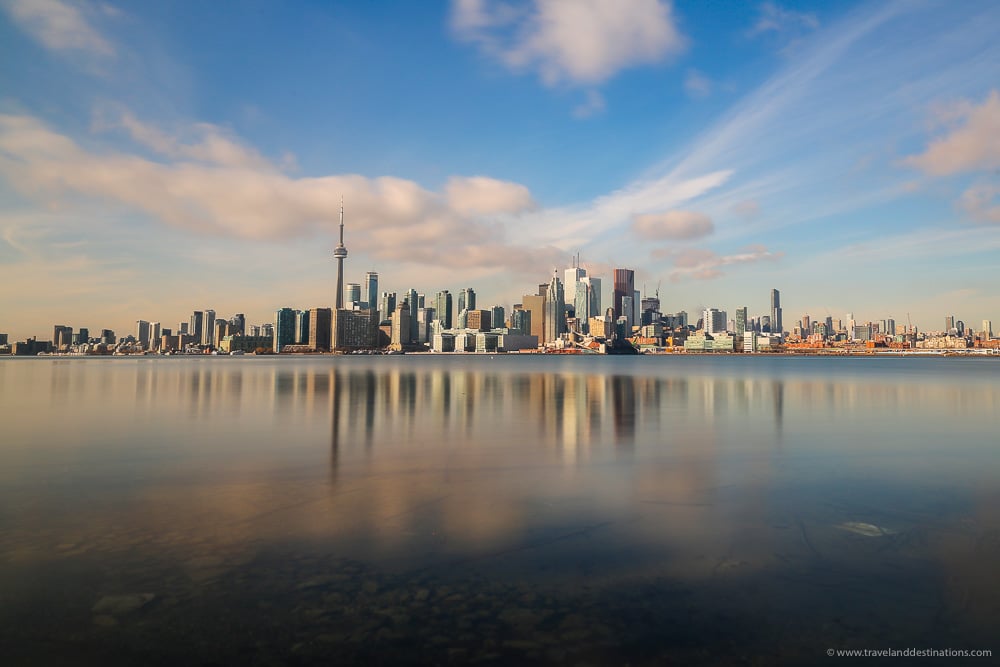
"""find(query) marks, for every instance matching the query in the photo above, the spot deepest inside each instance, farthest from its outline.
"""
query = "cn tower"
(340, 252)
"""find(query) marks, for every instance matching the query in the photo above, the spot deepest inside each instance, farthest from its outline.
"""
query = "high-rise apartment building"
(371, 290)
(520, 321)
(302, 327)
(61, 335)
(478, 320)
(624, 288)
(987, 329)
(320, 329)
(949, 323)
(284, 328)
(237, 324)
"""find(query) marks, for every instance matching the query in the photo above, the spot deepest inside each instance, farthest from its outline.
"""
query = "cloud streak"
(58, 26)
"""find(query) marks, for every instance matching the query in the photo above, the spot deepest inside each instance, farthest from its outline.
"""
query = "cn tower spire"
(339, 253)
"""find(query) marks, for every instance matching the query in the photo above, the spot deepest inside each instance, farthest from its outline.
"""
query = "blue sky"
(157, 158)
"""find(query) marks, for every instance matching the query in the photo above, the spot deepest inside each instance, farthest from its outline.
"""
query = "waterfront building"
(354, 330)
(234, 343)
(284, 329)
(108, 337)
(320, 323)
(443, 342)
(141, 333)
(302, 327)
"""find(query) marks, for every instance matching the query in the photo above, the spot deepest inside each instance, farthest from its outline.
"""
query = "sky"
(160, 158)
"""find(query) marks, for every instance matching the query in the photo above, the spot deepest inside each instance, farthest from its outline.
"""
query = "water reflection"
(861, 492)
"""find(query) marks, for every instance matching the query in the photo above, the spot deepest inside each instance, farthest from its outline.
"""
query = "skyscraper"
(573, 276)
(467, 299)
(714, 321)
(141, 332)
(741, 321)
(388, 306)
(197, 325)
(442, 309)
(352, 295)
(624, 287)
(339, 253)
(497, 317)
(302, 327)
(284, 328)
(555, 309)
(320, 329)
(371, 290)
(776, 324)
(237, 324)
(987, 329)
(412, 301)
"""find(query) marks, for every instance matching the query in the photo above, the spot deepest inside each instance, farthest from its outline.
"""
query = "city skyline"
(844, 154)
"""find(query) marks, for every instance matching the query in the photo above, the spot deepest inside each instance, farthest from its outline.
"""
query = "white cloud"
(772, 18)
(221, 188)
(674, 225)
(972, 146)
(480, 195)
(579, 42)
(58, 25)
(697, 85)
(593, 104)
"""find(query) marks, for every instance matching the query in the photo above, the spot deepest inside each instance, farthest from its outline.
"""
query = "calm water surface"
(508, 510)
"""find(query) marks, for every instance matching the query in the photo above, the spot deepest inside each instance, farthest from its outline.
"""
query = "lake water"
(508, 510)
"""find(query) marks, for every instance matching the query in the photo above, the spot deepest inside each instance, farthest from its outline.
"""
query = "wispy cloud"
(705, 264)
(58, 25)
(674, 225)
(697, 85)
(773, 18)
(593, 104)
(581, 42)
